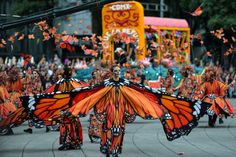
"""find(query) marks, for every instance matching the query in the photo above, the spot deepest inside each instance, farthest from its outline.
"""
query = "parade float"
(127, 19)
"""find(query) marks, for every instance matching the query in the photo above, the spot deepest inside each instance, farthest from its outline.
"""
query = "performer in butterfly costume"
(188, 83)
(168, 82)
(70, 129)
(15, 86)
(6, 105)
(117, 101)
(213, 91)
(71, 135)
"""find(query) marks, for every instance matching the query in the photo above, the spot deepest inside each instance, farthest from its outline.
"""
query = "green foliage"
(218, 13)
(189, 5)
(25, 7)
(221, 13)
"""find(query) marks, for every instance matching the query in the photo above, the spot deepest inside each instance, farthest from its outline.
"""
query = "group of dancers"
(112, 102)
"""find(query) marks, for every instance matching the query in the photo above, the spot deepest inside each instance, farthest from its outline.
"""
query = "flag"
(198, 11)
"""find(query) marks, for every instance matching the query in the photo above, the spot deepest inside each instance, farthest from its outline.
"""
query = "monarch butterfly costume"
(20, 115)
(196, 94)
(71, 135)
(118, 102)
(65, 84)
(168, 82)
(213, 92)
(6, 106)
(32, 85)
(94, 128)
(15, 86)
(23, 114)
(188, 83)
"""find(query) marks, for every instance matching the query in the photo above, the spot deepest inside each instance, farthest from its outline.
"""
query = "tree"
(216, 13)
(221, 13)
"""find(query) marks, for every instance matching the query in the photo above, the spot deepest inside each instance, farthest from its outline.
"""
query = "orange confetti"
(94, 53)
(75, 39)
(69, 25)
(67, 38)
(11, 39)
(42, 25)
(31, 36)
(75, 32)
(21, 37)
(86, 38)
(59, 24)
(45, 36)
(1, 45)
(80, 21)
(64, 33)
(93, 35)
(57, 37)
(83, 47)
(52, 30)
(4, 42)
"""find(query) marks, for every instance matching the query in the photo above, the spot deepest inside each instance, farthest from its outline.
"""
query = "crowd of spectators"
(140, 72)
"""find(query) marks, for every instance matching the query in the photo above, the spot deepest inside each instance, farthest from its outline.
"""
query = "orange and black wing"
(184, 115)
(129, 101)
(142, 102)
(45, 106)
(96, 96)
(16, 118)
(66, 85)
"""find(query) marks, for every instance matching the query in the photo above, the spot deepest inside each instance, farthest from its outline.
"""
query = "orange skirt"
(6, 108)
(221, 106)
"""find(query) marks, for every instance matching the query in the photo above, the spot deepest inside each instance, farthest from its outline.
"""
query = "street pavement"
(143, 138)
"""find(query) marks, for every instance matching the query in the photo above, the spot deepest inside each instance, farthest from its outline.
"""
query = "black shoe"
(29, 130)
(10, 131)
(91, 139)
(6, 131)
(221, 121)
(71, 147)
(47, 129)
(211, 125)
(62, 147)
